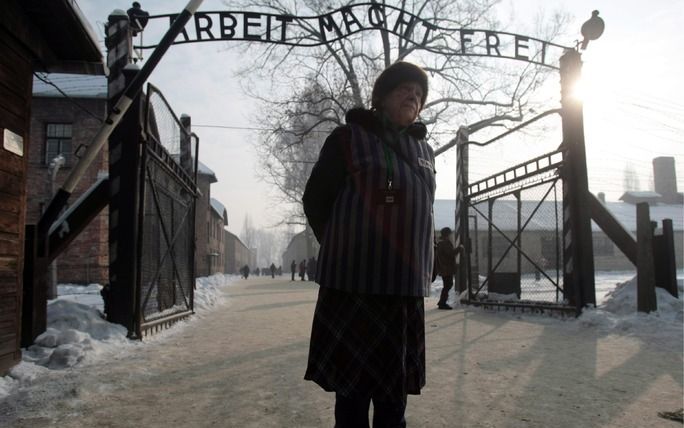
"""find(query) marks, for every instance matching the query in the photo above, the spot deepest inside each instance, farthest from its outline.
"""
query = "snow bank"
(619, 312)
(77, 331)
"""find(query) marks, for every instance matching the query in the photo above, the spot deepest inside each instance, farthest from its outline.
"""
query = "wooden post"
(124, 160)
(664, 259)
(646, 297)
(34, 299)
(576, 184)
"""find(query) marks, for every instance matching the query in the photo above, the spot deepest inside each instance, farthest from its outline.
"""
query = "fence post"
(664, 259)
(186, 145)
(576, 188)
(461, 215)
(124, 164)
(646, 297)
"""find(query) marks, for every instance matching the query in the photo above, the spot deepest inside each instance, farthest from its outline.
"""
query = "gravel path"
(242, 366)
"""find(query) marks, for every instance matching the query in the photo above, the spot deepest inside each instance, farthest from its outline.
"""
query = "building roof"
(202, 169)
(635, 197)
(235, 237)
(64, 30)
(73, 85)
(505, 214)
(219, 209)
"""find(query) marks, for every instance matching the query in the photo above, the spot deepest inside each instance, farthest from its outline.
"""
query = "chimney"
(601, 197)
(665, 179)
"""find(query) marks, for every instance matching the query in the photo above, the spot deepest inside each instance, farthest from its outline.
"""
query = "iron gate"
(516, 236)
(166, 222)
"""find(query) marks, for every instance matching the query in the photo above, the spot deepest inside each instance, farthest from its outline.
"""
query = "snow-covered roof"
(505, 214)
(219, 209)
(635, 197)
(205, 170)
(73, 85)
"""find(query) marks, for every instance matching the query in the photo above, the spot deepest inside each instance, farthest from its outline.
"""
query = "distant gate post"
(124, 161)
(578, 269)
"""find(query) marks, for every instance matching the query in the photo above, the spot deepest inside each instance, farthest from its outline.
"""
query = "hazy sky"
(633, 112)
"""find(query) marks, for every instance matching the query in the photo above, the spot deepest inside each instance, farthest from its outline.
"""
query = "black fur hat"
(393, 76)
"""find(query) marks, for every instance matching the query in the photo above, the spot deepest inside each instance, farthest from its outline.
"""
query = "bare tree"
(311, 88)
(248, 233)
(630, 179)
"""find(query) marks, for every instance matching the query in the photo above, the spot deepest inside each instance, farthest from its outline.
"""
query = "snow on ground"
(77, 331)
(616, 310)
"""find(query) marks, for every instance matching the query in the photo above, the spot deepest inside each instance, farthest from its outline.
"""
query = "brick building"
(237, 254)
(218, 220)
(59, 126)
(205, 178)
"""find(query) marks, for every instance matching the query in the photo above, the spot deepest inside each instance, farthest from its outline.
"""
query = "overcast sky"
(633, 113)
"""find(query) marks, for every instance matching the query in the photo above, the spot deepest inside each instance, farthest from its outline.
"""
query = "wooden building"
(35, 36)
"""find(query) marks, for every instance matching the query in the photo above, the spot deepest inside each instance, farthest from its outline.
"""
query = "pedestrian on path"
(302, 269)
(311, 269)
(273, 270)
(293, 269)
(376, 253)
(446, 256)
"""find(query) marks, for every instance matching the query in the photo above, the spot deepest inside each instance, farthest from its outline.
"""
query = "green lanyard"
(390, 165)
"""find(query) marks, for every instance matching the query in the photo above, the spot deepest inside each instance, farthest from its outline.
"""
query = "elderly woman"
(369, 202)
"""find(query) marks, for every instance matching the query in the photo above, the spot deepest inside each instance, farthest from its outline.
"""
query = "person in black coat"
(369, 203)
(293, 269)
(302, 269)
(311, 269)
(446, 256)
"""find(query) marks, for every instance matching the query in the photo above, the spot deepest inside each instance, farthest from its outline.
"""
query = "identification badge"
(388, 197)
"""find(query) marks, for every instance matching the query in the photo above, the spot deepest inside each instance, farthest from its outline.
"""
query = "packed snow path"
(242, 365)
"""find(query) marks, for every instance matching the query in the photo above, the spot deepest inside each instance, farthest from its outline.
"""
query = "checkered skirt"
(367, 345)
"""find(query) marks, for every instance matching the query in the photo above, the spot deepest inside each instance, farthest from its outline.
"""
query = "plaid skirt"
(367, 345)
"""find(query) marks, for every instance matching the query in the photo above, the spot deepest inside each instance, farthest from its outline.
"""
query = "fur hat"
(393, 76)
(446, 231)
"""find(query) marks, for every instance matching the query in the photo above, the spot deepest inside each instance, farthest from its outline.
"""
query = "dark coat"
(446, 256)
(368, 246)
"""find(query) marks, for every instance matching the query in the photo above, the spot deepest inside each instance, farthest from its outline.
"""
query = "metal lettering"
(227, 31)
(377, 12)
(491, 45)
(428, 27)
(521, 43)
(249, 21)
(350, 19)
(172, 18)
(326, 22)
(401, 21)
(465, 39)
(199, 28)
(283, 30)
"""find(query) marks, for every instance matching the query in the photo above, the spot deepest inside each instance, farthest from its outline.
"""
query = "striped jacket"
(368, 246)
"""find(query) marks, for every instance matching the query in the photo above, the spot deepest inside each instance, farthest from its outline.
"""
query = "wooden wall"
(15, 99)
